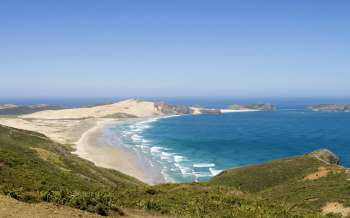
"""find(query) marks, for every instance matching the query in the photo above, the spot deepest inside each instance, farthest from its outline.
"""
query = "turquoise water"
(195, 148)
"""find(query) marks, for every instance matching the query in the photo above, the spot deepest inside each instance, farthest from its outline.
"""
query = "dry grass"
(336, 208)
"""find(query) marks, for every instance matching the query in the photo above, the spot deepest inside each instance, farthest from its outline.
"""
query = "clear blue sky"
(120, 48)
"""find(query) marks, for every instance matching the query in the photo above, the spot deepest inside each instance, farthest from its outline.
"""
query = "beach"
(115, 157)
(84, 129)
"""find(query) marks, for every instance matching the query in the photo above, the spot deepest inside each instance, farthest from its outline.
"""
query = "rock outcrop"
(171, 109)
(326, 156)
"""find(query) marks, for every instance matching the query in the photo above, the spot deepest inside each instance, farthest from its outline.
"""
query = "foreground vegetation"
(35, 169)
(304, 181)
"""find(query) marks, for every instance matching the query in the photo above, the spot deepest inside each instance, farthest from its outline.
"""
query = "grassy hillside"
(35, 169)
(304, 181)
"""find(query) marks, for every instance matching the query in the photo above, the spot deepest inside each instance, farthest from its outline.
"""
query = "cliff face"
(330, 108)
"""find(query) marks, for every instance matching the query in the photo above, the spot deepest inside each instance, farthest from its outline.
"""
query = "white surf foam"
(136, 138)
(202, 174)
(184, 170)
(214, 171)
(178, 158)
(204, 165)
(156, 149)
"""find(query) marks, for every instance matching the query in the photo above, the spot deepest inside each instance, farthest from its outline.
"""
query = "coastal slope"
(313, 181)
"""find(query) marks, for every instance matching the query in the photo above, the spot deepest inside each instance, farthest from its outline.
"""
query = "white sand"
(62, 131)
(131, 107)
(104, 155)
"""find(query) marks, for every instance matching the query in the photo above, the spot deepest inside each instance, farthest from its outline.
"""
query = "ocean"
(196, 147)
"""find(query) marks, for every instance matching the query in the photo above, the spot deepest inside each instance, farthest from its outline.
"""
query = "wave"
(156, 149)
(214, 171)
(204, 165)
(184, 170)
(178, 158)
(174, 166)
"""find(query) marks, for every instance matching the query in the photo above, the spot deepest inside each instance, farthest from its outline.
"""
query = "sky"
(177, 48)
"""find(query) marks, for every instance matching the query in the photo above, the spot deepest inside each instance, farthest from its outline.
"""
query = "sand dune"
(62, 131)
(67, 125)
(130, 107)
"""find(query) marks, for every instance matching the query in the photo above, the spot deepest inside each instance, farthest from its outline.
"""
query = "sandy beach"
(114, 157)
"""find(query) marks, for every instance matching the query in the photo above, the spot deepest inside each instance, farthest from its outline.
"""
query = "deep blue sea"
(195, 148)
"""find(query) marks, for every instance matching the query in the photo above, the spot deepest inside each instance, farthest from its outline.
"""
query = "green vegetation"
(34, 169)
(285, 180)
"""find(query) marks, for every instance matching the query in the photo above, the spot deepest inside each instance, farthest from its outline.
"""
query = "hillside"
(312, 181)
(35, 169)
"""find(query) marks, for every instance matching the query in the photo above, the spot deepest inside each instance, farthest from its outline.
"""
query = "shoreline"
(86, 128)
(114, 157)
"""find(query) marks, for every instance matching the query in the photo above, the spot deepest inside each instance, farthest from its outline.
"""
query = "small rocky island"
(260, 107)
(330, 108)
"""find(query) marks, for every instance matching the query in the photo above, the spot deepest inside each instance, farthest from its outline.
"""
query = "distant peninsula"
(11, 109)
(259, 107)
(330, 108)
